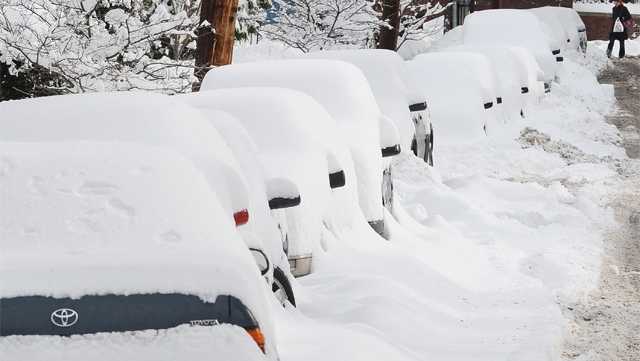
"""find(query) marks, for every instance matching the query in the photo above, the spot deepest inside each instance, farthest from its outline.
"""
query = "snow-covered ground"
(489, 244)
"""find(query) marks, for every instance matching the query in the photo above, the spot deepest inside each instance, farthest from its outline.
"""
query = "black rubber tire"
(280, 280)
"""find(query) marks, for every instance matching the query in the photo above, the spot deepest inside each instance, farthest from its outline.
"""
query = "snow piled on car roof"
(148, 118)
(97, 218)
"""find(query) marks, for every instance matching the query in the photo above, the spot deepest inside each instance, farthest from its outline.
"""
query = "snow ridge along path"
(606, 325)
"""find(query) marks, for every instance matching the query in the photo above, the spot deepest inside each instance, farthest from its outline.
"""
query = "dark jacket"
(622, 13)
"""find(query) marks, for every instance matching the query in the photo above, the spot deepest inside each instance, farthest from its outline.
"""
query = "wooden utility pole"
(389, 31)
(216, 35)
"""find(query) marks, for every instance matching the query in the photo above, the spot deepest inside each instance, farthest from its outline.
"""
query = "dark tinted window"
(36, 315)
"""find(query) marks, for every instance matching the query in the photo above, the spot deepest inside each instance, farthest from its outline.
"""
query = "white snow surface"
(343, 91)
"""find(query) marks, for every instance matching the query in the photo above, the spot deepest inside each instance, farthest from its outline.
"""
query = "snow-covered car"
(344, 92)
(268, 195)
(511, 73)
(556, 32)
(513, 28)
(151, 119)
(398, 98)
(450, 71)
(452, 78)
(102, 241)
(281, 124)
(574, 28)
(536, 81)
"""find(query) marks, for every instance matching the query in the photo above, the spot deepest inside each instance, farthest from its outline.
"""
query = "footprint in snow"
(96, 189)
(170, 237)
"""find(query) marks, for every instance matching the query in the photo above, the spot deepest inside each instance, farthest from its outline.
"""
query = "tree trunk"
(389, 32)
(215, 40)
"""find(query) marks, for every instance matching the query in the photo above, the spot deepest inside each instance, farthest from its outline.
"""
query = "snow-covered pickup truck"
(126, 248)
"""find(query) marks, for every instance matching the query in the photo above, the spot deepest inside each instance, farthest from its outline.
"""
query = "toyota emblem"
(64, 317)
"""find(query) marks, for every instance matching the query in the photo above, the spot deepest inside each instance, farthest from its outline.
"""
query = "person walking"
(620, 16)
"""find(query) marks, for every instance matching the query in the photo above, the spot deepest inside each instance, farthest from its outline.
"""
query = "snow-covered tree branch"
(320, 24)
(414, 15)
(95, 45)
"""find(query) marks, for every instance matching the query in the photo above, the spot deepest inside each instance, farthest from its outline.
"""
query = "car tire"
(282, 286)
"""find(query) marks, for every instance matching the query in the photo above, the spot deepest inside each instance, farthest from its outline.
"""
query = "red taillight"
(257, 336)
(241, 217)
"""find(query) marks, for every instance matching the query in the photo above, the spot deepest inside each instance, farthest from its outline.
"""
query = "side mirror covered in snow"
(337, 178)
(282, 193)
(389, 138)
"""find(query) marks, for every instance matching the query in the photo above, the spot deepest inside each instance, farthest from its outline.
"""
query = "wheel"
(281, 287)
